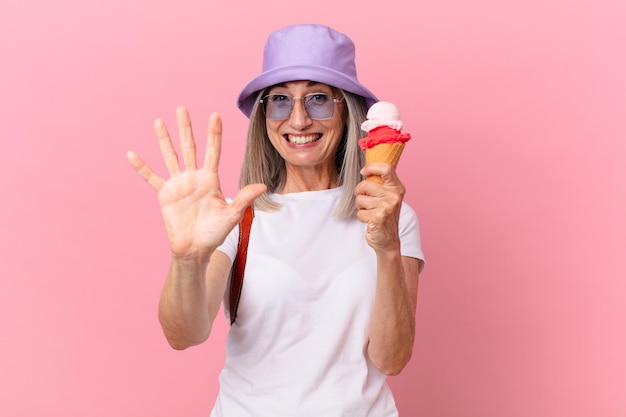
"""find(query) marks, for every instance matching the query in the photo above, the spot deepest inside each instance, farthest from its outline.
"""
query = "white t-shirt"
(298, 345)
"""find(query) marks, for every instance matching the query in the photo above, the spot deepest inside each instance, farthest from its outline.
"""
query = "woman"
(328, 305)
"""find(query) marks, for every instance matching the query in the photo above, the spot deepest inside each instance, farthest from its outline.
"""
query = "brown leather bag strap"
(239, 265)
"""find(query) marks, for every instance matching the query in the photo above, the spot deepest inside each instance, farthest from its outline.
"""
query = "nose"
(299, 118)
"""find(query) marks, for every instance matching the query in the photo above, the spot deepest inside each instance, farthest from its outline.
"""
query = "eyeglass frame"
(292, 101)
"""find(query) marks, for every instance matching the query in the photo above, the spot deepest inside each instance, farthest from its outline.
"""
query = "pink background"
(516, 169)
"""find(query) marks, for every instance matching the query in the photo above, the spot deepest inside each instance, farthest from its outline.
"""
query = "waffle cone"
(385, 152)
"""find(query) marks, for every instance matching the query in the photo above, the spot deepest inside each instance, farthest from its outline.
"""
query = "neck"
(301, 179)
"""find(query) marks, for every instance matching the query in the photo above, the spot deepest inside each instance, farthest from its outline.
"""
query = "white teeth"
(300, 140)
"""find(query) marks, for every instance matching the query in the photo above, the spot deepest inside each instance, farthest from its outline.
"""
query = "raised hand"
(197, 217)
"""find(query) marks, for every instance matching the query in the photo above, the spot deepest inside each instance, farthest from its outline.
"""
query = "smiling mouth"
(302, 139)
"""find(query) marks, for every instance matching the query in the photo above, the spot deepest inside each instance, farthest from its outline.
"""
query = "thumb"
(247, 195)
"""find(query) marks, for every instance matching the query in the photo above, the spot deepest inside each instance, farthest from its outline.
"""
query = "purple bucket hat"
(306, 52)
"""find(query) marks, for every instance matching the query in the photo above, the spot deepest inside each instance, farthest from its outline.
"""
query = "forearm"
(183, 307)
(392, 325)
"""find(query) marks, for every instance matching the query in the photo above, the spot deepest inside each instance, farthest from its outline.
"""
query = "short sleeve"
(410, 242)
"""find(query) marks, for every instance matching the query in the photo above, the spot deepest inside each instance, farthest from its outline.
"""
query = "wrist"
(191, 262)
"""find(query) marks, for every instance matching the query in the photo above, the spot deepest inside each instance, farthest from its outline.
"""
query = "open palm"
(197, 217)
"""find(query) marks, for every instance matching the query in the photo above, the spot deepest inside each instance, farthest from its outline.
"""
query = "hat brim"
(247, 96)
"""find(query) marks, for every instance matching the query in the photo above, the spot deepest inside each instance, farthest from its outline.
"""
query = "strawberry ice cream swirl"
(383, 134)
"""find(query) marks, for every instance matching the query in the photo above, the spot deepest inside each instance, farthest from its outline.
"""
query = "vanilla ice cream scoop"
(382, 113)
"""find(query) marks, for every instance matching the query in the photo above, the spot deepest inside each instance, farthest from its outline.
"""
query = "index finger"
(144, 170)
(382, 170)
(213, 143)
(167, 149)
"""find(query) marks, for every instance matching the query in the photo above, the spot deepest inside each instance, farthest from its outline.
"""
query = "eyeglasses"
(319, 106)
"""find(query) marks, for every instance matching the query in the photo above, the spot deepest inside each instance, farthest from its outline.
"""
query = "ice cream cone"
(384, 152)
(385, 140)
